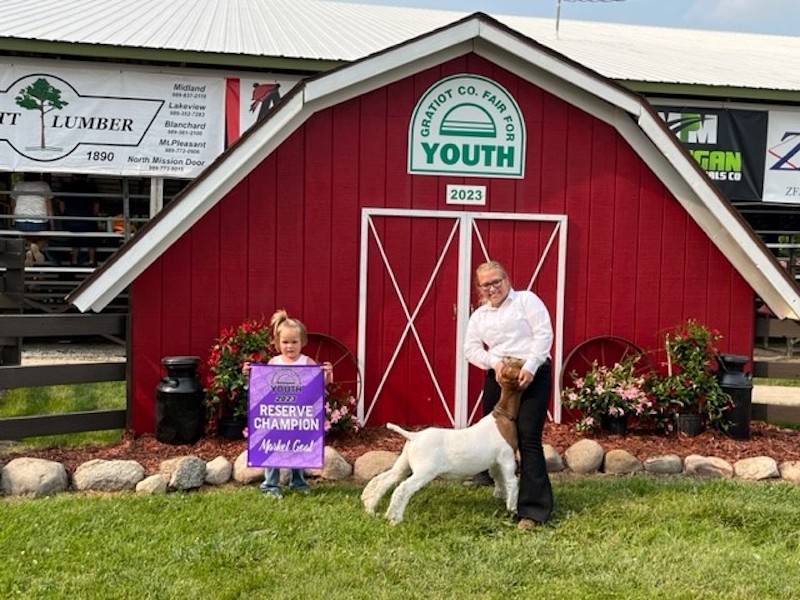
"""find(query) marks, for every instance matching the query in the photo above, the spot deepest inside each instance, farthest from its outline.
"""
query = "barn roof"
(282, 33)
(627, 112)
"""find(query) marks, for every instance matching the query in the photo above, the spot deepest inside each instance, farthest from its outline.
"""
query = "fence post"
(12, 289)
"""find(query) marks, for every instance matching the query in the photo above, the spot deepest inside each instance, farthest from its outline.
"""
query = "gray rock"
(621, 462)
(188, 473)
(756, 468)
(244, 474)
(33, 476)
(108, 475)
(155, 484)
(584, 456)
(666, 464)
(335, 468)
(707, 466)
(373, 463)
(218, 471)
(552, 459)
(790, 470)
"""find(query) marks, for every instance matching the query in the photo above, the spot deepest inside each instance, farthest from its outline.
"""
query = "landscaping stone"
(108, 475)
(621, 462)
(335, 468)
(552, 459)
(244, 474)
(155, 484)
(33, 476)
(667, 464)
(707, 466)
(584, 457)
(373, 463)
(757, 468)
(790, 470)
(187, 472)
(218, 471)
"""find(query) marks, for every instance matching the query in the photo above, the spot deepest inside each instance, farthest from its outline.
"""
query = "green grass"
(627, 537)
(59, 399)
(774, 381)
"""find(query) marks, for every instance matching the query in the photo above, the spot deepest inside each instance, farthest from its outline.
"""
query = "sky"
(778, 17)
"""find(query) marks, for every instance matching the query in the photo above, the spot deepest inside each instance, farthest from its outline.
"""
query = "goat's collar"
(503, 413)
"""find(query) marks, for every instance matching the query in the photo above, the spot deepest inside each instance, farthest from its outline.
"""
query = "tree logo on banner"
(42, 97)
(51, 110)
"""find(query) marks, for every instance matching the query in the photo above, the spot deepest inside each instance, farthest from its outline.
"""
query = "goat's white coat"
(446, 453)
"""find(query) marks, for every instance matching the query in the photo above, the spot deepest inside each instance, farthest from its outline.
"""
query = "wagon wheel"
(346, 374)
(606, 350)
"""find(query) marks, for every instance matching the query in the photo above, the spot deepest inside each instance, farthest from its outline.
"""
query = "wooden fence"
(16, 324)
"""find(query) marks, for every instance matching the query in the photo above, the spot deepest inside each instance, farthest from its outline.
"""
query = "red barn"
(365, 199)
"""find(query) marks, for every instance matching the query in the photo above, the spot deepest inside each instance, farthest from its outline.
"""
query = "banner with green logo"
(727, 144)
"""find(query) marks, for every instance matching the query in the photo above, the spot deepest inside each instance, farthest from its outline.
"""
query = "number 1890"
(99, 156)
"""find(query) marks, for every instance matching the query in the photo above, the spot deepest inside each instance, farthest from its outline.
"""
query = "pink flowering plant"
(340, 410)
(616, 391)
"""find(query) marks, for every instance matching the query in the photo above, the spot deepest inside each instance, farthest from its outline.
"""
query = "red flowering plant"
(223, 374)
(691, 384)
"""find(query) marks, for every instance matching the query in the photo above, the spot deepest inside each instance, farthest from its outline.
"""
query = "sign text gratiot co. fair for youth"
(286, 417)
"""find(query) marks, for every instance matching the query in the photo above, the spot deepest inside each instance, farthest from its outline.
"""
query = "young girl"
(290, 336)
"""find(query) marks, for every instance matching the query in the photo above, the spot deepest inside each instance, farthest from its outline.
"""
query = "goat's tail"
(406, 434)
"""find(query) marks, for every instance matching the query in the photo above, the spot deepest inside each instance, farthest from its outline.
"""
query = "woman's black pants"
(535, 493)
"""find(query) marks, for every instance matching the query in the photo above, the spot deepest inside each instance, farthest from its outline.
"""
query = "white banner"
(782, 167)
(60, 119)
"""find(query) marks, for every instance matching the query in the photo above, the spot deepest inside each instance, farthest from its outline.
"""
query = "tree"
(41, 96)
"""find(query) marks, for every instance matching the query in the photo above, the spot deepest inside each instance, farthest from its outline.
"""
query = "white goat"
(491, 444)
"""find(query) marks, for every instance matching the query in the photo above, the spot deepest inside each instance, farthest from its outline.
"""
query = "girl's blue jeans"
(272, 480)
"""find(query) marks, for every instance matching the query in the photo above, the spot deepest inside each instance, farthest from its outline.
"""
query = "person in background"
(78, 201)
(290, 337)
(32, 207)
(517, 324)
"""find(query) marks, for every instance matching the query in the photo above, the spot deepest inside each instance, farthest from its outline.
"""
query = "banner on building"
(782, 169)
(62, 119)
(286, 416)
(247, 101)
(727, 144)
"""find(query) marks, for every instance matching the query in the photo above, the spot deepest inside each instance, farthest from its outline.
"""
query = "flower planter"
(231, 429)
(689, 424)
(615, 425)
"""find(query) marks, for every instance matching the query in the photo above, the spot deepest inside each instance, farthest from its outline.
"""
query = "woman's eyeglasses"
(491, 284)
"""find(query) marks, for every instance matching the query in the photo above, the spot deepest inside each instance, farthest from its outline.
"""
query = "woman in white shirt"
(516, 323)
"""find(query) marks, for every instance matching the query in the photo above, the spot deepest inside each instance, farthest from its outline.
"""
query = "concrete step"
(776, 404)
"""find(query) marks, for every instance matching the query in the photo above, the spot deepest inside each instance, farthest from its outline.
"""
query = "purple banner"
(286, 417)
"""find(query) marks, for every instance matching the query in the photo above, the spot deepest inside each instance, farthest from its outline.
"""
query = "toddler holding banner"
(290, 337)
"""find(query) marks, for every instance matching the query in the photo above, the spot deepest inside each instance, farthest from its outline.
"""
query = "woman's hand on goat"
(525, 378)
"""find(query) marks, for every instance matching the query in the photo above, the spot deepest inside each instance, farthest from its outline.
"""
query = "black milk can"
(180, 415)
(739, 387)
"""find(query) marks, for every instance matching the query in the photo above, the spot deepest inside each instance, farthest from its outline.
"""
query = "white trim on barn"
(629, 113)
